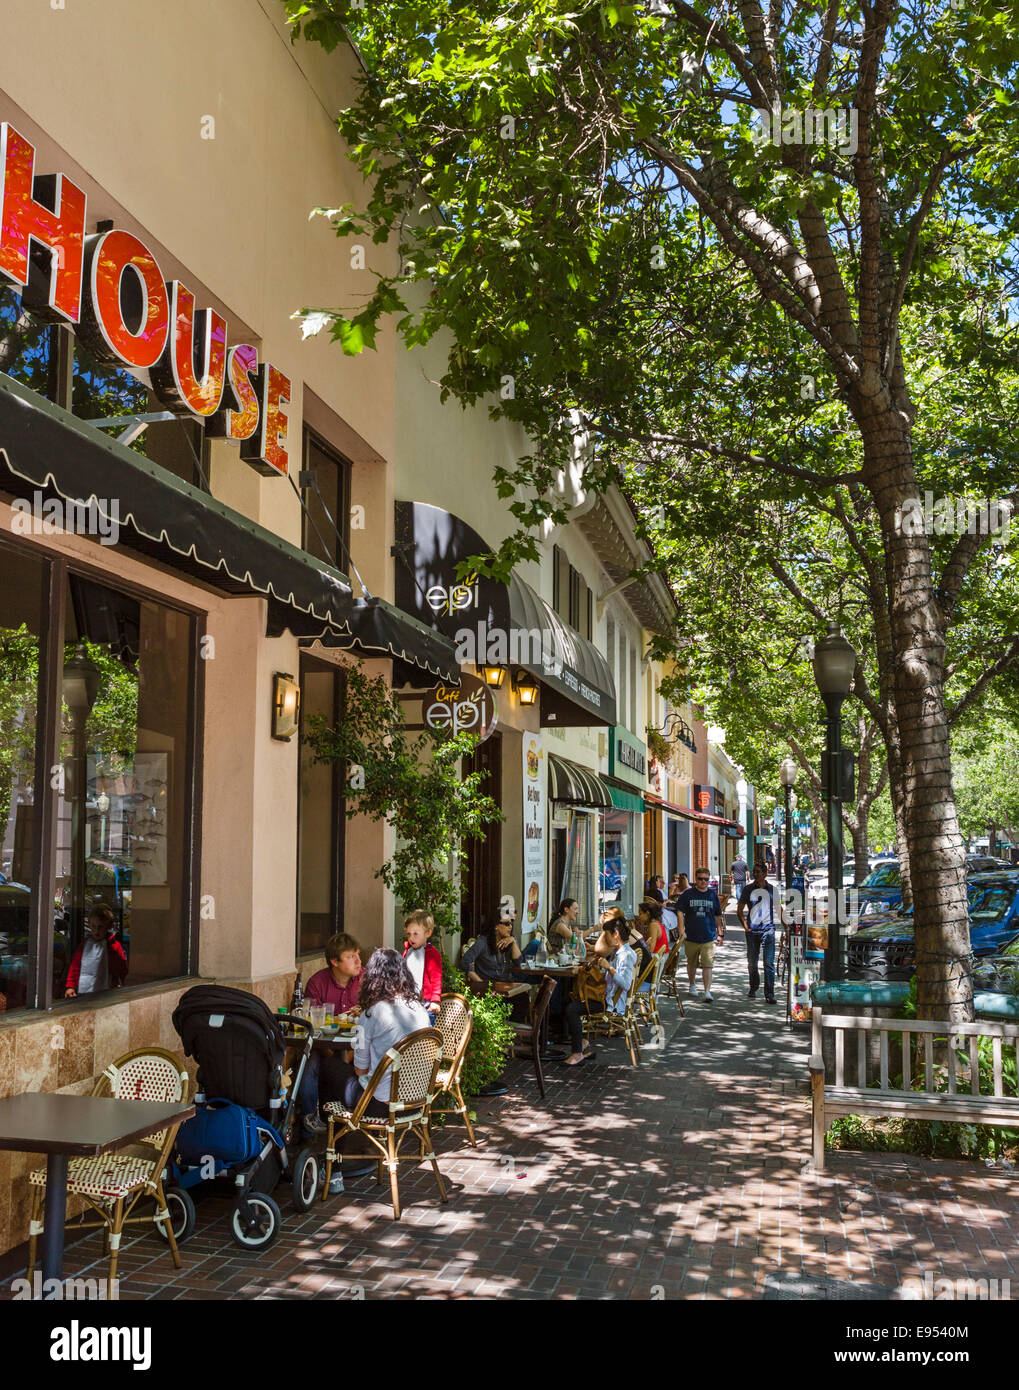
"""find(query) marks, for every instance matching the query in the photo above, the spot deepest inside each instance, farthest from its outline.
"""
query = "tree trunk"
(932, 838)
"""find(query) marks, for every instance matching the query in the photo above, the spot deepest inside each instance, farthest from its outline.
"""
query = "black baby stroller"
(245, 1114)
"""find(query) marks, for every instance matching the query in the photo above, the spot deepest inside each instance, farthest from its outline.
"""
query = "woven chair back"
(454, 1022)
(414, 1068)
(148, 1073)
(672, 962)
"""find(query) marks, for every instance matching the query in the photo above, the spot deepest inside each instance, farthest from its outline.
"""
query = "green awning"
(624, 800)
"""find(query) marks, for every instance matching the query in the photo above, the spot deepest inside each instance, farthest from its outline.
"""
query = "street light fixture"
(834, 664)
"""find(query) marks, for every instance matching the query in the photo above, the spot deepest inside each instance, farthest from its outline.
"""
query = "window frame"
(311, 438)
(57, 570)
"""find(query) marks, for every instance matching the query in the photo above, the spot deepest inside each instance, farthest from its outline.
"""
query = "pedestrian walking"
(701, 925)
(756, 913)
(740, 871)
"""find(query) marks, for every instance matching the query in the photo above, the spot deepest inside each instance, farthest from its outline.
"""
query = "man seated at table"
(618, 961)
(337, 987)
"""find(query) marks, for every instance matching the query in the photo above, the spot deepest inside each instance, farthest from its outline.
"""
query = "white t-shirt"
(415, 963)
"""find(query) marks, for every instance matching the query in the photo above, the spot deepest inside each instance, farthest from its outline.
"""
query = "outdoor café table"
(82, 1126)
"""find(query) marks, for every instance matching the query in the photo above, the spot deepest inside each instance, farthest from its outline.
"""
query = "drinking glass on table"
(318, 1016)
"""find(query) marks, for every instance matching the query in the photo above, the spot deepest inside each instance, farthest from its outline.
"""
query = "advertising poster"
(535, 908)
(807, 943)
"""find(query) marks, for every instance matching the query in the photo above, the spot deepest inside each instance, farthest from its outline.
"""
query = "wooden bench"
(962, 1103)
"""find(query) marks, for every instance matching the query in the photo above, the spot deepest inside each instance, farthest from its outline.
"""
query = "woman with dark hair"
(563, 923)
(391, 1009)
(487, 959)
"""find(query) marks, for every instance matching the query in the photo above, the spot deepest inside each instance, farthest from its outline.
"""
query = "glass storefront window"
(101, 392)
(617, 879)
(320, 869)
(580, 867)
(27, 346)
(21, 625)
(123, 834)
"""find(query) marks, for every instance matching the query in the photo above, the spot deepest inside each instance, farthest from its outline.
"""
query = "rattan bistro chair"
(113, 1179)
(413, 1065)
(455, 1022)
(609, 1025)
(647, 1004)
(669, 984)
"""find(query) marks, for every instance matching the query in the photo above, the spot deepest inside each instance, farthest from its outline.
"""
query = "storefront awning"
(568, 781)
(731, 827)
(502, 624)
(624, 798)
(377, 628)
(579, 689)
(46, 449)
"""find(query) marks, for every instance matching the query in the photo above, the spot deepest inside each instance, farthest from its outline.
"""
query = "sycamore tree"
(734, 237)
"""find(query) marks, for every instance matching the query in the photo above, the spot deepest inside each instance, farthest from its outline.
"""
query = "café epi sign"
(110, 290)
(467, 708)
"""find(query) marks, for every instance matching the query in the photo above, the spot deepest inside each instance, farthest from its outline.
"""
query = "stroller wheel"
(255, 1221)
(305, 1186)
(182, 1214)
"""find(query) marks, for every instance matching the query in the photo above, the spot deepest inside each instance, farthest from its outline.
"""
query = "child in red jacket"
(99, 962)
(424, 961)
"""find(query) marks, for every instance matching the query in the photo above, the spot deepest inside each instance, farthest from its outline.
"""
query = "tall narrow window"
(21, 626)
(322, 823)
(327, 520)
(123, 817)
(633, 688)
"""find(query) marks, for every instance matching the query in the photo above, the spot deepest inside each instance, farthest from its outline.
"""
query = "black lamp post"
(834, 663)
(787, 776)
(80, 682)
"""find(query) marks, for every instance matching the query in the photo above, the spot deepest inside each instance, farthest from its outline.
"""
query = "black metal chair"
(529, 1035)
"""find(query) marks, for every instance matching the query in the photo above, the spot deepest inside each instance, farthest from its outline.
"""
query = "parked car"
(881, 889)
(886, 950)
(999, 974)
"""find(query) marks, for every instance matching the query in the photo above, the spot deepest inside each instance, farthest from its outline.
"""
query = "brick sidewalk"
(682, 1179)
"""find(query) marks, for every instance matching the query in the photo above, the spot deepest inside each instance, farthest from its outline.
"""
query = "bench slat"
(884, 1059)
(840, 1057)
(915, 1025)
(907, 1062)
(974, 1066)
(961, 1107)
(861, 1059)
(996, 1053)
(928, 1061)
(952, 1060)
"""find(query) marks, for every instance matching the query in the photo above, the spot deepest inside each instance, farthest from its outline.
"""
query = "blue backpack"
(227, 1132)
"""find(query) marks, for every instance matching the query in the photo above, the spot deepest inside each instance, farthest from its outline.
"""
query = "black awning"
(44, 448)
(578, 785)
(579, 689)
(377, 628)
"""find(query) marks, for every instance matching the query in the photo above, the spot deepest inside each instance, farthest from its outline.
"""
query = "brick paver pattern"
(681, 1179)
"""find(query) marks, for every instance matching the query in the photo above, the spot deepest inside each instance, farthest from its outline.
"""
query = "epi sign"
(467, 708)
